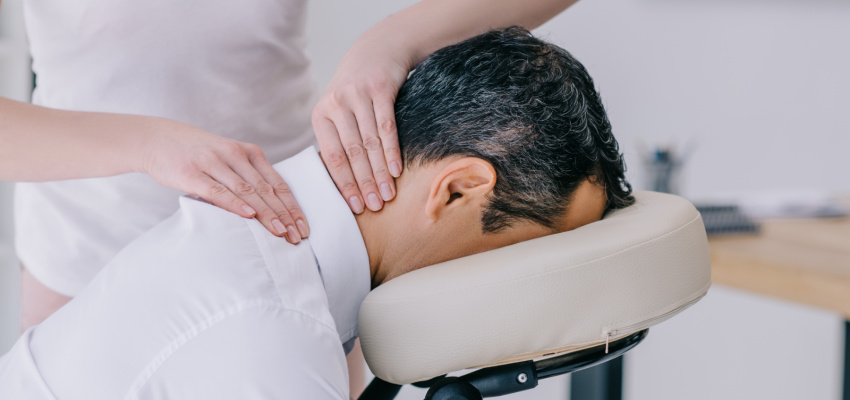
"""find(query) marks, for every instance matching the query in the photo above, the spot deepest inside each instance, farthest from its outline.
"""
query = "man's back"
(205, 305)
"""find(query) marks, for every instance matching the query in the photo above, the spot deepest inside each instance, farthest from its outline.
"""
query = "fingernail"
(302, 227)
(386, 192)
(395, 169)
(294, 236)
(373, 201)
(356, 204)
(278, 226)
(248, 210)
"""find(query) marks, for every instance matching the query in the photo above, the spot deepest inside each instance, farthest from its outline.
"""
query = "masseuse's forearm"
(41, 144)
(432, 24)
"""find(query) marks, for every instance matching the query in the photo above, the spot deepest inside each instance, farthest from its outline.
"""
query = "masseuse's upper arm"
(258, 353)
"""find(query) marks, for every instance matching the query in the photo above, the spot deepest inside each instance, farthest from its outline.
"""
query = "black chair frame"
(510, 378)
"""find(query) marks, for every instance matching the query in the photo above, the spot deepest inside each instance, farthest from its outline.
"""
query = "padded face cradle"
(633, 269)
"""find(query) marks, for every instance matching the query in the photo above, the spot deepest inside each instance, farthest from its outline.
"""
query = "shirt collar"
(334, 237)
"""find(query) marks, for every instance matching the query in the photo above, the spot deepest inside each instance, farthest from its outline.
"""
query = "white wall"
(761, 86)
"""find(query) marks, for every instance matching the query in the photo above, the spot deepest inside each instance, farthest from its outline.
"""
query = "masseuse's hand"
(355, 125)
(232, 175)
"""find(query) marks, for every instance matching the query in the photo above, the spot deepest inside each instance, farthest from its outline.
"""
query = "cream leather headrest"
(633, 269)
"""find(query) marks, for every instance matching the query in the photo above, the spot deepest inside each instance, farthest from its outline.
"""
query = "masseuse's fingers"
(335, 159)
(233, 175)
(218, 194)
(284, 202)
(355, 150)
(355, 114)
(375, 151)
(385, 117)
(240, 174)
(237, 185)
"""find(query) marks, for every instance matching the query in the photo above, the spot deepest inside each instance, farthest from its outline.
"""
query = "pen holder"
(663, 168)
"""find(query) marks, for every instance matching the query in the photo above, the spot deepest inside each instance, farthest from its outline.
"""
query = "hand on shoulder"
(233, 175)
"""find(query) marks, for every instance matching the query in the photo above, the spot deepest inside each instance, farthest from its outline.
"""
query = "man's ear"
(463, 182)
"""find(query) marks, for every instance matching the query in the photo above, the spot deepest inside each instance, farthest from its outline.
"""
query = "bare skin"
(37, 301)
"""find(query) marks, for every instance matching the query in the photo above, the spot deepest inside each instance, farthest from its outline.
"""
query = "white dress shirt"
(234, 68)
(209, 305)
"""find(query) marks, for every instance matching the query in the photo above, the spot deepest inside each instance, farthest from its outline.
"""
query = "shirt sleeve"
(257, 353)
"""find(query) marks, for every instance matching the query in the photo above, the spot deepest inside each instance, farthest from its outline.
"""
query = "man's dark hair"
(528, 108)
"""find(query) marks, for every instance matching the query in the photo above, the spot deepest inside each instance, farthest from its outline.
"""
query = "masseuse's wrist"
(150, 137)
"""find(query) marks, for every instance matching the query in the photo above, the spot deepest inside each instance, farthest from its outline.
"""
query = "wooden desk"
(806, 261)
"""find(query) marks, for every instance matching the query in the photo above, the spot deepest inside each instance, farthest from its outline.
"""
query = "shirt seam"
(272, 262)
(143, 379)
(269, 261)
(346, 287)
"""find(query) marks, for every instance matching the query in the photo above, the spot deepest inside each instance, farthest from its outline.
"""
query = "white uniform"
(209, 305)
(234, 68)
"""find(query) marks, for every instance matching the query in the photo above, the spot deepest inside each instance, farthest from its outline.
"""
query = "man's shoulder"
(198, 230)
(198, 213)
(200, 253)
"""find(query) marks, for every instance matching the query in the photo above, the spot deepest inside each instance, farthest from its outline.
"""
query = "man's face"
(436, 216)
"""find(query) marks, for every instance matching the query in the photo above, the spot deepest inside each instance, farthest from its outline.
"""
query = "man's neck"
(374, 236)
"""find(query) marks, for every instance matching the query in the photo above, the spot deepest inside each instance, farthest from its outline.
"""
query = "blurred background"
(754, 94)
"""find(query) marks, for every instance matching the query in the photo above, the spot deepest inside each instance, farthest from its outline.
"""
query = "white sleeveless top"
(233, 68)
